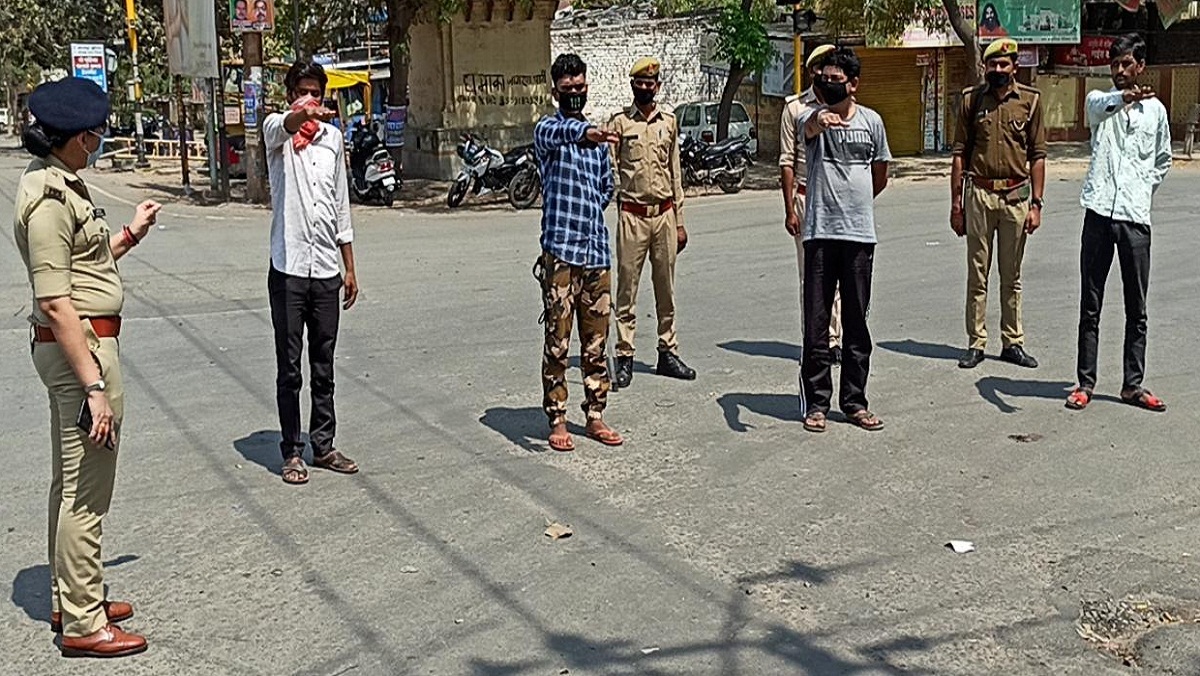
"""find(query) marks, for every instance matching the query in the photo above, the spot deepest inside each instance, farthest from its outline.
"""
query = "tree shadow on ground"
(994, 388)
(785, 407)
(763, 348)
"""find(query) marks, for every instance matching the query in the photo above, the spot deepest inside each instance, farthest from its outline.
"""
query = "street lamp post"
(135, 86)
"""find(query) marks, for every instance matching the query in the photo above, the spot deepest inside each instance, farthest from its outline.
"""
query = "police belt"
(105, 327)
(647, 210)
(998, 184)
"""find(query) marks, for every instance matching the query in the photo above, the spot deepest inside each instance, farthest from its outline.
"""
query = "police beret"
(817, 54)
(1001, 47)
(70, 105)
(647, 67)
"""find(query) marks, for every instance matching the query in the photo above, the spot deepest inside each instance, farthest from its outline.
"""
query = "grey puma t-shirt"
(841, 194)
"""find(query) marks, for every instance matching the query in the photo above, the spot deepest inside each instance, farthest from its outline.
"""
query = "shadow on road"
(784, 407)
(763, 348)
(991, 388)
(916, 348)
(31, 588)
(524, 427)
(262, 449)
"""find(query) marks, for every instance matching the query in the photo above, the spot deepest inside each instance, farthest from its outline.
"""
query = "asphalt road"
(722, 539)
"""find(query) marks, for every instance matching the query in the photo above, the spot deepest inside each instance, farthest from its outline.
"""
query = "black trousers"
(1101, 235)
(299, 303)
(829, 263)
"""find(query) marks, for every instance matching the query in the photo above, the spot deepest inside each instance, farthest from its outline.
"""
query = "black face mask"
(643, 97)
(571, 104)
(832, 93)
(997, 80)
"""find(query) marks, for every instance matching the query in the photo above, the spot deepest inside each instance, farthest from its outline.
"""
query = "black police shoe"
(624, 374)
(1015, 354)
(971, 359)
(671, 366)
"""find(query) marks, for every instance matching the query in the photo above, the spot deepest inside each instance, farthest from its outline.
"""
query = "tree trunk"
(399, 18)
(965, 32)
(736, 74)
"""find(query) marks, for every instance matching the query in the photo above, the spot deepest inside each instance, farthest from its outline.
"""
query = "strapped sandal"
(334, 461)
(815, 422)
(866, 420)
(563, 444)
(295, 475)
(607, 436)
(1079, 399)
(1142, 398)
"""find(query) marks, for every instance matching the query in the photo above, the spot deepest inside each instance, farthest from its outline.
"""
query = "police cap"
(647, 67)
(817, 54)
(1001, 48)
(70, 105)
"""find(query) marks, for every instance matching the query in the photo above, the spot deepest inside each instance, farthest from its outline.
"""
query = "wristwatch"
(97, 386)
(1037, 202)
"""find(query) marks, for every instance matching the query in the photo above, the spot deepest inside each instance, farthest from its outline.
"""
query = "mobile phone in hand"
(84, 422)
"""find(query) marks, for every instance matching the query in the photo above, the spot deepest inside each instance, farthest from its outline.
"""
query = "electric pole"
(135, 86)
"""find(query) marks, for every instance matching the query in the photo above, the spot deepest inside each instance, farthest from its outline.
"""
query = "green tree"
(742, 42)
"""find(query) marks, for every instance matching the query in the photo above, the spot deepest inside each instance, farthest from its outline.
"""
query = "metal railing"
(122, 148)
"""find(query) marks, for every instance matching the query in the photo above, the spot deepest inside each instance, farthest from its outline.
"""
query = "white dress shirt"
(1131, 153)
(310, 201)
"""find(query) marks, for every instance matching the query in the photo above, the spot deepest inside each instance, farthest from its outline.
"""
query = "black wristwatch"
(1037, 203)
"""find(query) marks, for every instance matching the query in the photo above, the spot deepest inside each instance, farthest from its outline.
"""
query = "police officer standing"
(792, 180)
(1000, 145)
(71, 257)
(650, 197)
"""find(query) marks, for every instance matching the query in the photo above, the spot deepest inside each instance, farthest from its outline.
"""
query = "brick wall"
(610, 50)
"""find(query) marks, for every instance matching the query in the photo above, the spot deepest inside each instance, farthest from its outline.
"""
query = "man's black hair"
(843, 57)
(567, 65)
(1130, 43)
(305, 70)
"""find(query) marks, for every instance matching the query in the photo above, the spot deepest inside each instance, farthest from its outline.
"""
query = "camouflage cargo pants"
(571, 293)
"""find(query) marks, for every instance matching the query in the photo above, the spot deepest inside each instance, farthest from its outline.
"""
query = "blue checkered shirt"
(577, 185)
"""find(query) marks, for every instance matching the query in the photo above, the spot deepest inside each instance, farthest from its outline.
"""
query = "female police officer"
(71, 257)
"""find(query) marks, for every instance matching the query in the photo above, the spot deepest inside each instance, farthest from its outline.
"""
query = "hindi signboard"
(1089, 57)
(87, 62)
(1037, 22)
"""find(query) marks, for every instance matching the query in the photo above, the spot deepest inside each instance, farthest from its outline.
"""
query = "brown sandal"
(1142, 398)
(866, 420)
(334, 461)
(815, 422)
(294, 473)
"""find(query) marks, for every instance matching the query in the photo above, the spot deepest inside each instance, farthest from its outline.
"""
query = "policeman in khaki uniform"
(650, 198)
(71, 257)
(1000, 146)
(791, 178)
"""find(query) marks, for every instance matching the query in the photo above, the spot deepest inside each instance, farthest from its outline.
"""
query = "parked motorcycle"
(486, 170)
(723, 163)
(372, 172)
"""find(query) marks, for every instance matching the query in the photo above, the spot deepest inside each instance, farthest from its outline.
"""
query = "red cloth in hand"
(309, 130)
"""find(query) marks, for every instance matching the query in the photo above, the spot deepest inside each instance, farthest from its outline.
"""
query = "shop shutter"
(892, 84)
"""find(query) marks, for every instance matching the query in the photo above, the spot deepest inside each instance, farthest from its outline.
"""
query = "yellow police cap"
(1001, 47)
(647, 67)
(817, 54)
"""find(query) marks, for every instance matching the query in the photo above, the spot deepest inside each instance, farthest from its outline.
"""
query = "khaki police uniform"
(64, 242)
(793, 154)
(650, 206)
(1009, 138)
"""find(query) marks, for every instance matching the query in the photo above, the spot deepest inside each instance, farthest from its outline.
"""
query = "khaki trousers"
(835, 315)
(81, 487)
(638, 237)
(995, 221)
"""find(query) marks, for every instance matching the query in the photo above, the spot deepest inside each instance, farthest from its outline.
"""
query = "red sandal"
(1079, 399)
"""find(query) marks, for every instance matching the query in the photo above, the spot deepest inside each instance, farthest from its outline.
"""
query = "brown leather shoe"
(117, 611)
(108, 642)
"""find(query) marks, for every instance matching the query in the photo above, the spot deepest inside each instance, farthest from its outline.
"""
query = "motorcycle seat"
(515, 154)
(728, 144)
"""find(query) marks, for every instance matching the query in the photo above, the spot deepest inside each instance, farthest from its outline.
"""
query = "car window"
(738, 113)
(710, 113)
(690, 117)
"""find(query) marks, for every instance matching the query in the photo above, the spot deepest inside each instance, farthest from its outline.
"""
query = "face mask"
(832, 93)
(94, 156)
(997, 80)
(643, 97)
(572, 104)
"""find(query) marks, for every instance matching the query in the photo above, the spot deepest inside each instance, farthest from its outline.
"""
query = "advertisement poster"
(87, 62)
(252, 95)
(252, 16)
(932, 29)
(396, 121)
(1036, 22)
(191, 28)
(1089, 57)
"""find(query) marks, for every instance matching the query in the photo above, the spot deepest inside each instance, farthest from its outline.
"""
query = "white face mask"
(94, 156)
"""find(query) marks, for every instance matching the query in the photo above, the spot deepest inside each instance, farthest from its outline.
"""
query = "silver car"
(699, 120)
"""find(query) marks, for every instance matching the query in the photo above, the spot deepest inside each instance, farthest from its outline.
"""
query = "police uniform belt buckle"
(105, 327)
